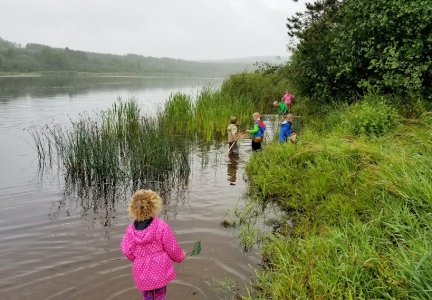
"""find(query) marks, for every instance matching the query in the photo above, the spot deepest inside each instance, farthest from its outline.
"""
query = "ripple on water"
(60, 246)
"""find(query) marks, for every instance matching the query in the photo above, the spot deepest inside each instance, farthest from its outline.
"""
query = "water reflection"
(72, 86)
(232, 167)
(74, 254)
(98, 202)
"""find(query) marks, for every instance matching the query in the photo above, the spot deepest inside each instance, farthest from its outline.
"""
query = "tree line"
(41, 58)
(343, 49)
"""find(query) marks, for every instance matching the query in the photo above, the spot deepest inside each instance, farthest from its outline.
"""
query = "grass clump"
(118, 143)
(214, 110)
(206, 116)
(178, 114)
(361, 209)
(260, 88)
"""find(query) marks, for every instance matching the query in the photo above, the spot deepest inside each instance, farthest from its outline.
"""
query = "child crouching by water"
(150, 244)
(285, 130)
(233, 136)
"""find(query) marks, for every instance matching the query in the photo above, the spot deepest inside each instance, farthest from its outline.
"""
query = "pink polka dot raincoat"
(152, 251)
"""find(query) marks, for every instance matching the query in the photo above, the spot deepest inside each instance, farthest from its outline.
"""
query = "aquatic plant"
(117, 143)
(260, 88)
(207, 116)
(178, 114)
(213, 111)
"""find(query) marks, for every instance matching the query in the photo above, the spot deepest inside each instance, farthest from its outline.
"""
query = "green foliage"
(207, 116)
(262, 87)
(178, 114)
(214, 109)
(349, 47)
(116, 144)
(361, 210)
(196, 249)
(371, 117)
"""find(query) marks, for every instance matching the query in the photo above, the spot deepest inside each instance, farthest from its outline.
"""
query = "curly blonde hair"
(144, 204)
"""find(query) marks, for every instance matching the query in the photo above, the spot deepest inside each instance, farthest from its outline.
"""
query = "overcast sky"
(187, 29)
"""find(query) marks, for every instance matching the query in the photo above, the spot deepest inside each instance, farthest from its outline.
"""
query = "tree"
(348, 47)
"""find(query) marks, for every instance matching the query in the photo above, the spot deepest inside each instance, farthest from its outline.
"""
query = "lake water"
(61, 245)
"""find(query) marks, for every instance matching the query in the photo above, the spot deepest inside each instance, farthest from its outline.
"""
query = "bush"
(371, 117)
(349, 47)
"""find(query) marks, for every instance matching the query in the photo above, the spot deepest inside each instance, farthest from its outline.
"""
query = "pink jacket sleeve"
(128, 245)
(171, 246)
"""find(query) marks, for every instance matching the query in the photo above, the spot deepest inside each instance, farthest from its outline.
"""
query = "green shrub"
(346, 49)
(370, 117)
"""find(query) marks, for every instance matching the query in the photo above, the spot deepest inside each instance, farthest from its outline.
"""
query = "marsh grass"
(207, 115)
(214, 111)
(361, 207)
(226, 288)
(115, 144)
(260, 89)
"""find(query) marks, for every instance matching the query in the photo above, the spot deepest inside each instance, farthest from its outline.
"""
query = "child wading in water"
(283, 109)
(232, 136)
(257, 132)
(285, 130)
(150, 244)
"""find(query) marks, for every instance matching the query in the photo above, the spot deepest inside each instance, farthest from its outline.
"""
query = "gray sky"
(188, 29)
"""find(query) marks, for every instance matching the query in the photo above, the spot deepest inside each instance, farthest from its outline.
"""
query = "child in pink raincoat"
(288, 99)
(150, 244)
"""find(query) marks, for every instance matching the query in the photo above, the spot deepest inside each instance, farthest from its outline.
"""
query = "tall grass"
(261, 89)
(118, 143)
(206, 116)
(362, 212)
(213, 111)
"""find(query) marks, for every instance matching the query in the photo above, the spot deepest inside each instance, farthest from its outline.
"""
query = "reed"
(213, 111)
(259, 88)
(178, 114)
(117, 143)
(207, 115)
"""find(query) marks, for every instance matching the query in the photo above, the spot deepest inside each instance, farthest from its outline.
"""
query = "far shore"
(112, 75)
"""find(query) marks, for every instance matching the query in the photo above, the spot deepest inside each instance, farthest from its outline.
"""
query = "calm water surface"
(63, 244)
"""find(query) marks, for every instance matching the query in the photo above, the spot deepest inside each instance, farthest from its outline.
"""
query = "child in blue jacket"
(285, 130)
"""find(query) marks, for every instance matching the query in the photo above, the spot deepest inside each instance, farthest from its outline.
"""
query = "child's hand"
(185, 254)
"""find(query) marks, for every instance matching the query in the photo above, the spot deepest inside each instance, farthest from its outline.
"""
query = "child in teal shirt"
(283, 109)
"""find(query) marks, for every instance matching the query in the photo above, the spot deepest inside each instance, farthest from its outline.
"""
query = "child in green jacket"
(257, 132)
(283, 109)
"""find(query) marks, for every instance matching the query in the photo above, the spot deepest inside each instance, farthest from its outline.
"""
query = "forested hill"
(40, 58)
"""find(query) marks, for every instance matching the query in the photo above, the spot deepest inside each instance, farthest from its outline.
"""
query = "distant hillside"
(41, 58)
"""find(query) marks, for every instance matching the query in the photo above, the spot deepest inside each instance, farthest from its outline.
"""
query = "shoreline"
(111, 75)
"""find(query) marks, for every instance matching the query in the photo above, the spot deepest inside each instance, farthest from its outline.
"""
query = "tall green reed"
(117, 143)
(205, 116)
